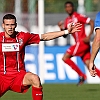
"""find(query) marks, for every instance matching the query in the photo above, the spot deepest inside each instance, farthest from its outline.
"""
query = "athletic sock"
(75, 67)
(37, 93)
(98, 72)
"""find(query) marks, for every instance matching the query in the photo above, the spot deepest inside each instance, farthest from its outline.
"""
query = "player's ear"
(2, 25)
(16, 25)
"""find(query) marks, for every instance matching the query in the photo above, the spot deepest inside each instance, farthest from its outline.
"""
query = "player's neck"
(71, 14)
(10, 36)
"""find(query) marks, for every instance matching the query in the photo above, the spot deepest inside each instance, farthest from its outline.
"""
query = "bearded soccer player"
(95, 46)
(82, 46)
(12, 49)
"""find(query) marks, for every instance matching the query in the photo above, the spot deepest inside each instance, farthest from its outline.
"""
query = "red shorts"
(12, 82)
(80, 49)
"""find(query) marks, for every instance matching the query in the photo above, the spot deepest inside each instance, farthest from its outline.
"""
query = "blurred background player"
(95, 46)
(82, 46)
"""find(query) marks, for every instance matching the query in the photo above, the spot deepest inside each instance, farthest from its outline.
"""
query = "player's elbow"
(91, 22)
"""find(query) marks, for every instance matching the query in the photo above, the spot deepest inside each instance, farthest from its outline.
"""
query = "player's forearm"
(52, 35)
(91, 27)
(95, 48)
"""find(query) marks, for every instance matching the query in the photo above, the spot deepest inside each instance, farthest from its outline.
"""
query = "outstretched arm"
(52, 35)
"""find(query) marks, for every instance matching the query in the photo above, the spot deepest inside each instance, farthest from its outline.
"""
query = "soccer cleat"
(81, 81)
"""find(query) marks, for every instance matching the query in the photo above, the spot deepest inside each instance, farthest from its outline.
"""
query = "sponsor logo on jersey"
(20, 41)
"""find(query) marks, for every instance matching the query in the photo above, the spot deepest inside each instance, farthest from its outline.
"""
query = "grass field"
(61, 92)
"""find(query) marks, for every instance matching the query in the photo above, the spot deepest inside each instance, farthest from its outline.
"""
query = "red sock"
(74, 67)
(37, 93)
(98, 72)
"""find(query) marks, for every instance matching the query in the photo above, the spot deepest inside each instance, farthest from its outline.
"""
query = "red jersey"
(13, 61)
(78, 36)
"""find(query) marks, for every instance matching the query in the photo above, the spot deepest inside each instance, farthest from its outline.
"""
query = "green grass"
(60, 92)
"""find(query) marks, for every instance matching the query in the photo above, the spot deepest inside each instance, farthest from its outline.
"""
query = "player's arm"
(91, 23)
(95, 49)
(95, 45)
(86, 20)
(52, 35)
(62, 28)
(61, 25)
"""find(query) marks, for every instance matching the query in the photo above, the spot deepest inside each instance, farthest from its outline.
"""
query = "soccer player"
(95, 46)
(82, 46)
(12, 49)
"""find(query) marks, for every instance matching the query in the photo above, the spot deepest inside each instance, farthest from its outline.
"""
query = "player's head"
(69, 7)
(9, 24)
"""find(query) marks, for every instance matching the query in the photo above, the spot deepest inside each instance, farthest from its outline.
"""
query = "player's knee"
(35, 80)
(64, 58)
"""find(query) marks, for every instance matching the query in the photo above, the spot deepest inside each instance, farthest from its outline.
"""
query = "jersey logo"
(9, 47)
(15, 46)
(20, 41)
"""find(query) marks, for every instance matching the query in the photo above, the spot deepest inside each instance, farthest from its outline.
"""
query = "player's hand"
(87, 39)
(92, 69)
(61, 25)
(74, 27)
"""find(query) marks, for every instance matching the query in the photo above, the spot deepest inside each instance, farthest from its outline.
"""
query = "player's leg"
(23, 80)
(34, 81)
(67, 60)
(4, 84)
(86, 60)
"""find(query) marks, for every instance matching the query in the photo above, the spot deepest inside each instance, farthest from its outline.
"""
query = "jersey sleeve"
(32, 38)
(97, 21)
(83, 19)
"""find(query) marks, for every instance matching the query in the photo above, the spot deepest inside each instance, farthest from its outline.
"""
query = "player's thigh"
(76, 49)
(4, 85)
(87, 62)
(66, 56)
(31, 79)
(86, 59)
(69, 52)
(81, 48)
(17, 83)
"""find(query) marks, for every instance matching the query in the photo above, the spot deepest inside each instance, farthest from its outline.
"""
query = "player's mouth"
(10, 30)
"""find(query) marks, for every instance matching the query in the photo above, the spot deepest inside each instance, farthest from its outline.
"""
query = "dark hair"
(69, 2)
(9, 16)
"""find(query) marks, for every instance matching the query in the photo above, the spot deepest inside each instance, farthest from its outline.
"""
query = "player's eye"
(12, 24)
(7, 24)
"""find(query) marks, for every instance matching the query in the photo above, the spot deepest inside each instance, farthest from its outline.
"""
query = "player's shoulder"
(97, 21)
(79, 14)
(97, 16)
(2, 34)
(23, 33)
